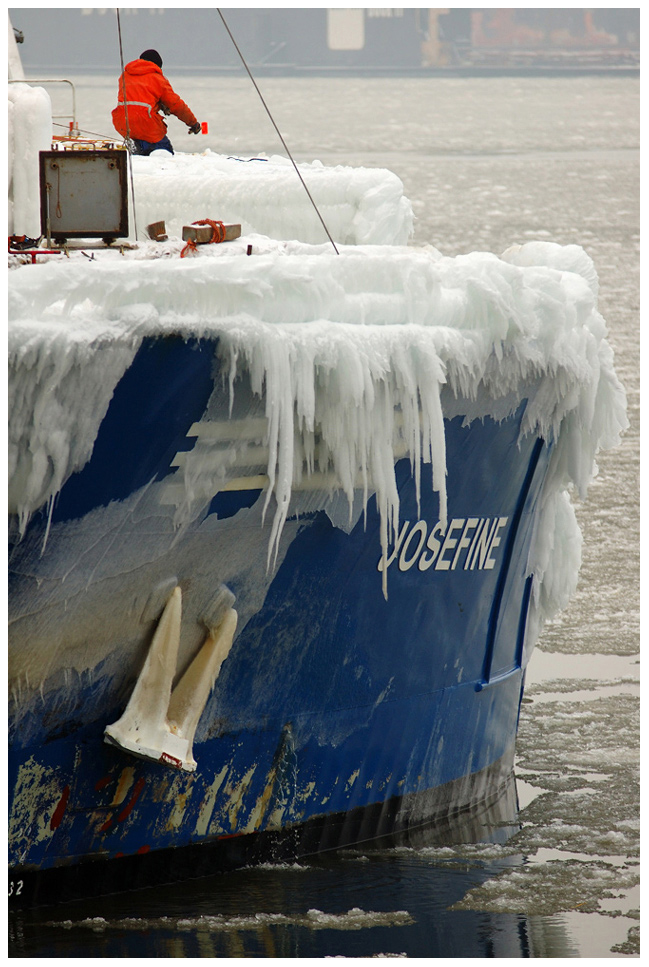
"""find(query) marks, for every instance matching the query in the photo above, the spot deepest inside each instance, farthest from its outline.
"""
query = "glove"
(195, 128)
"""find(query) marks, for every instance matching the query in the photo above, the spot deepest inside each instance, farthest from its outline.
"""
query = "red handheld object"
(203, 127)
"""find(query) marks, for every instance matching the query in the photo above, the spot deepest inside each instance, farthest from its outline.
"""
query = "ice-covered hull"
(337, 715)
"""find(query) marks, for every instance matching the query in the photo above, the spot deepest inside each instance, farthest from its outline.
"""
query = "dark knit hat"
(153, 56)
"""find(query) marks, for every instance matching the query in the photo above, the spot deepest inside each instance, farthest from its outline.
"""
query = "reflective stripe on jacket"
(147, 91)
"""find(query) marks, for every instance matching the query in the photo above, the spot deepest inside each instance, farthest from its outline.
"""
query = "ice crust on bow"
(357, 358)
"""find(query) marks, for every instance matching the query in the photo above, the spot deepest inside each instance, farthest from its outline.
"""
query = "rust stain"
(123, 785)
(159, 790)
(37, 789)
(352, 779)
(207, 806)
(178, 811)
(57, 815)
(237, 796)
(257, 815)
(307, 793)
(139, 786)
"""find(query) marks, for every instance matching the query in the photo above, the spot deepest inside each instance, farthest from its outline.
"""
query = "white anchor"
(158, 723)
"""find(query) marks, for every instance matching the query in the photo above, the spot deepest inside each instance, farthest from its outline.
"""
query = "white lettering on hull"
(467, 543)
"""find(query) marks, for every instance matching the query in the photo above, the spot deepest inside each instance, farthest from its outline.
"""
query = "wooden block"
(197, 233)
(157, 231)
(201, 234)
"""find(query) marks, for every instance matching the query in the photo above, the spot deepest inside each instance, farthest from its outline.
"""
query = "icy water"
(486, 163)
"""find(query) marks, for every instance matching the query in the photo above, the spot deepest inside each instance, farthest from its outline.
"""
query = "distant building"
(330, 40)
(527, 37)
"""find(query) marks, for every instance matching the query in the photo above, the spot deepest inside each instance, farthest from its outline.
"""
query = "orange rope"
(218, 229)
(190, 247)
(218, 235)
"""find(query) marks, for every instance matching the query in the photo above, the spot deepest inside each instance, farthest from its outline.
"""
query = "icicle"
(341, 348)
(50, 511)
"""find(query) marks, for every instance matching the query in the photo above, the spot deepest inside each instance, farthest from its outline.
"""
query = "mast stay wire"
(128, 135)
(243, 61)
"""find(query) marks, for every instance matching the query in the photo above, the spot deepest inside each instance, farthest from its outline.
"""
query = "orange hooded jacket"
(147, 90)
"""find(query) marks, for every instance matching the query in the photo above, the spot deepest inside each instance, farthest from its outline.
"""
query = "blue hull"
(337, 716)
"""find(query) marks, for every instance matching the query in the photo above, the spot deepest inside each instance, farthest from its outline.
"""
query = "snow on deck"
(337, 344)
(265, 196)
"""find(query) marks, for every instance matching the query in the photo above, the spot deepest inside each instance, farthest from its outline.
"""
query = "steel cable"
(128, 135)
(279, 133)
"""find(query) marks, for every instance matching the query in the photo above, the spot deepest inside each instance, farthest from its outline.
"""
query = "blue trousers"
(146, 147)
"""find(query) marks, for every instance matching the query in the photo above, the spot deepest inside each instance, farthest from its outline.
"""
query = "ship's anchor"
(159, 723)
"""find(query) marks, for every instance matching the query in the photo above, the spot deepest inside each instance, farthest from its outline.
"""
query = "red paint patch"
(102, 782)
(171, 760)
(57, 816)
(230, 836)
(107, 825)
(118, 855)
(139, 786)
(144, 849)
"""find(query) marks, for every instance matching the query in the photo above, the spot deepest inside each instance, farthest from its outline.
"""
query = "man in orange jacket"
(143, 92)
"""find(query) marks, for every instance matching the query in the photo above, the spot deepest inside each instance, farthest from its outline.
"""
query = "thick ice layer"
(265, 196)
(61, 381)
(358, 205)
(361, 349)
(29, 130)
